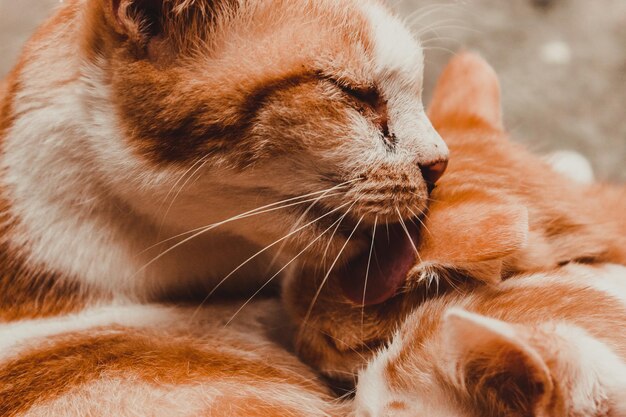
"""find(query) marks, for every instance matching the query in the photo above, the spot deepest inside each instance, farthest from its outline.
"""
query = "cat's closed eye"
(369, 101)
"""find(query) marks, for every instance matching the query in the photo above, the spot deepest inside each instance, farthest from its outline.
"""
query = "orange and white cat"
(149, 148)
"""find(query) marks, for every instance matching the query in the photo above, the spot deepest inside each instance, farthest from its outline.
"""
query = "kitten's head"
(467, 365)
(262, 102)
(468, 235)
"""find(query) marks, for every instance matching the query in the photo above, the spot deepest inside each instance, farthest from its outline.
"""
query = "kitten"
(496, 212)
(153, 148)
(539, 345)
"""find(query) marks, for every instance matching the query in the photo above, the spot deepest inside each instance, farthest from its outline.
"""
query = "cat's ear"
(474, 234)
(499, 368)
(468, 93)
(137, 19)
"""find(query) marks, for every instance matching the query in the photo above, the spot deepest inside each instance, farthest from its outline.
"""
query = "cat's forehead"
(362, 39)
(395, 48)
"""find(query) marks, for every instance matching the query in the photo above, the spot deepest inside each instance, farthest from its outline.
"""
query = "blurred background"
(562, 63)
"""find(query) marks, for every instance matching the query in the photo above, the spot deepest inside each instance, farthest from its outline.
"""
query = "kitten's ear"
(500, 370)
(473, 234)
(468, 93)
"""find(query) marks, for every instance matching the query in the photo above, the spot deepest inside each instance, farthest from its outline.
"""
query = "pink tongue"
(392, 259)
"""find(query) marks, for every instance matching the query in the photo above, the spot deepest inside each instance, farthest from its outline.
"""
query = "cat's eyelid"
(358, 90)
(365, 92)
(350, 85)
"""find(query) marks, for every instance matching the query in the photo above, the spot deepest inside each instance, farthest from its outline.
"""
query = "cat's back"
(159, 361)
(576, 299)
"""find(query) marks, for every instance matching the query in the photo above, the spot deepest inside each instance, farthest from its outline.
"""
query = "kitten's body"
(539, 345)
(536, 345)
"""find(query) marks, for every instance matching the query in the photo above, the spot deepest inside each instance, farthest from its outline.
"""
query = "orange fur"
(72, 360)
(567, 221)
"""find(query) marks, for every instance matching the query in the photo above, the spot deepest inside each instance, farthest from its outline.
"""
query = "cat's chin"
(380, 272)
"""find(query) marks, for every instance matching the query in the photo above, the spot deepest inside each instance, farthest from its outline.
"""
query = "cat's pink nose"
(432, 172)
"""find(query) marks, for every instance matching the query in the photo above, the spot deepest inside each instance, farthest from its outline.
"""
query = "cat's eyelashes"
(367, 96)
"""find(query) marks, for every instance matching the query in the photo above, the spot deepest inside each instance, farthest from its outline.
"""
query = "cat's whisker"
(425, 11)
(417, 217)
(440, 25)
(348, 373)
(446, 26)
(259, 210)
(181, 178)
(406, 230)
(297, 222)
(448, 281)
(420, 12)
(266, 248)
(332, 236)
(440, 48)
(319, 290)
(278, 272)
(434, 200)
(244, 216)
(424, 42)
(204, 230)
(346, 395)
(180, 190)
(367, 273)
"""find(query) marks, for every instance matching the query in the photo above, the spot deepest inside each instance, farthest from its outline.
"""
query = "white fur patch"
(595, 374)
(131, 397)
(573, 165)
(18, 336)
(397, 50)
(609, 279)
(372, 392)
(398, 68)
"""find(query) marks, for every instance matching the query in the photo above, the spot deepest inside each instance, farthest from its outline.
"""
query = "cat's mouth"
(379, 273)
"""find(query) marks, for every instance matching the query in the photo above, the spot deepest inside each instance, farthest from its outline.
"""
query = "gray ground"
(562, 63)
